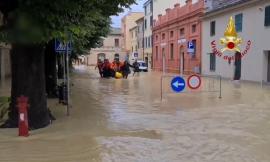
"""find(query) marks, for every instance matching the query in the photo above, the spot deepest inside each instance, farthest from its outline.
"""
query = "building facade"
(140, 37)
(148, 38)
(252, 22)
(160, 6)
(128, 22)
(133, 32)
(174, 33)
(112, 48)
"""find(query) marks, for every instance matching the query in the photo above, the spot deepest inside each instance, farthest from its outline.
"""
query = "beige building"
(252, 22)
(112, 48)
(133, 33)
(129, 22)
(148, 24)
(5, 65)
(140, 37)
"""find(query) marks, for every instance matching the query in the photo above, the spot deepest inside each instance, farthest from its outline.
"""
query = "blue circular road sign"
(178, 84)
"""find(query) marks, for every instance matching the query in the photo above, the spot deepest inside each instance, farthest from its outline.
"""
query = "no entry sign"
(194, 82)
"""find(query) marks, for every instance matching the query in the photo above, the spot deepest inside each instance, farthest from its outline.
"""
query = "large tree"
(31, 24)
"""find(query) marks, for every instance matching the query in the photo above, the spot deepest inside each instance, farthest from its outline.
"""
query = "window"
(138, 44)
(149, 42)
(156, 37)
(182, 32)
(136, 48)
(116, 42)
(267, 16)
(156, 52)
(193, 52)
(171, 34)
(194, 28)
(145, 23)
(171, 51)
(145, 42)
(212, 62)
(238, 22)
(151, 21)
(145, 10)
(132, 49)
(163, 36)
(212, 28)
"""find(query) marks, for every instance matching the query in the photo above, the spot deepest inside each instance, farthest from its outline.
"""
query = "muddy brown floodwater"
(125, 121)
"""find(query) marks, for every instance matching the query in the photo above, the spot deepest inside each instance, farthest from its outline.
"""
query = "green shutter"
(267, 16)
(239, 22)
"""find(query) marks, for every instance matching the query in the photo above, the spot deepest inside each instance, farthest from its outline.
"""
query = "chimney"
(159, 17)
(177, 5)
(168, 10)
(189, 2)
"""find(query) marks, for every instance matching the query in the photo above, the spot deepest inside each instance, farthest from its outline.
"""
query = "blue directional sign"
(191, 47)
(61, 47)
(178, 84)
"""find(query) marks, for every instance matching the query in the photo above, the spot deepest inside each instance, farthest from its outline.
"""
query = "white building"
(148, 24)
(252, 19)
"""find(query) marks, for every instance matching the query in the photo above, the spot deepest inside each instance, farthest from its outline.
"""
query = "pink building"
(173, 33)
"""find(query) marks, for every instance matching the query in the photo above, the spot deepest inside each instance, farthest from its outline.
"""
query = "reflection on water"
(124, 121)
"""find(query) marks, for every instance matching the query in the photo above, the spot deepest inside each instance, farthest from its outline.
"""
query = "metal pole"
(220, 79)
(67, 79)
(161, 88)
(163, 63)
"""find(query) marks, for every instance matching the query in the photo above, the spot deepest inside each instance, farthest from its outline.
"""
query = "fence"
(209, 84)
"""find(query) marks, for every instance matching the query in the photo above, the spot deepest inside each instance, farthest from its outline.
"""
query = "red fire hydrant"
(22, 104)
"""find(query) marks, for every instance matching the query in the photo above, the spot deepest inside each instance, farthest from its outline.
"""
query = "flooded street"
(125, 121)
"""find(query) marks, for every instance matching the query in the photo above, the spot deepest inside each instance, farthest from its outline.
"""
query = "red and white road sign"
(194, 81)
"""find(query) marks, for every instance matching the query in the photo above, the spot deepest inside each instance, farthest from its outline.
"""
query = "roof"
(219, 5)
(133, 28)
(140, 20)
(147, 3)
(115, 31)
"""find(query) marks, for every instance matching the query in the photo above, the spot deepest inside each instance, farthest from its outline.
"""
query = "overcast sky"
(116, 20)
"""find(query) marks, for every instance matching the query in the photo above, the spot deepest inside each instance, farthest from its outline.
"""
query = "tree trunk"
(50, 70)
(28, 79)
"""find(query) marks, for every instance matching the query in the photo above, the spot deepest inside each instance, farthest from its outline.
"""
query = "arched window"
(101, 56)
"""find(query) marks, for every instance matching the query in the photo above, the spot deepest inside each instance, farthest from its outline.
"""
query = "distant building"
(5, 65)
(252, 20)
(177, 38)
(140, 37)
(148, 38)
(133, 32)
(112, 48)
(129, 22)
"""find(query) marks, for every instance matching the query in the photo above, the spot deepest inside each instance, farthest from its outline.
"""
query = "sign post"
(65, 48)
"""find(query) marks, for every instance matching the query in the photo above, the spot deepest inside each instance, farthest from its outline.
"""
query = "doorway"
(101, 56)
(182, 60)
(237, 64)
(163, 61)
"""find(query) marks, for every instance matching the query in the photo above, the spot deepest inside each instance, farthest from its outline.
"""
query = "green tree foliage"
(39, 21)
